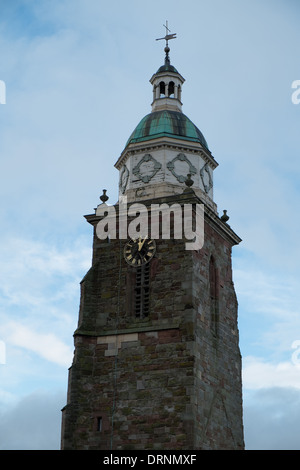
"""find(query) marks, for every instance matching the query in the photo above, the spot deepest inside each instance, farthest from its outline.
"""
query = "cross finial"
(167, 37)
(166, 26)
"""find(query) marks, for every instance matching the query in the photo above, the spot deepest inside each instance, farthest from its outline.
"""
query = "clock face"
(124, 178)
(139, 251)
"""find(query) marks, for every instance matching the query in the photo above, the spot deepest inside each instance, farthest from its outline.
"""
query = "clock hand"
(141, 243)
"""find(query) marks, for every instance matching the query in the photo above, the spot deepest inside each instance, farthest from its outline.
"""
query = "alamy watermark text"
(296, 93)
(137, 221)
(2, 92)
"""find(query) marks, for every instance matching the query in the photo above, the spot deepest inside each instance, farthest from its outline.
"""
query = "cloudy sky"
(77, 83)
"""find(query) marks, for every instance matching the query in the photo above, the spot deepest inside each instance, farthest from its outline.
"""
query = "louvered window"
(142, 288)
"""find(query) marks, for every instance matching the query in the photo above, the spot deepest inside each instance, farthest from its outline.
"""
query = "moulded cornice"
(166, 142)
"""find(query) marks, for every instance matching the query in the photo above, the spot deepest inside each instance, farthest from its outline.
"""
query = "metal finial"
(166, 26)
(167, 38)
(167, 58)
(104, 197)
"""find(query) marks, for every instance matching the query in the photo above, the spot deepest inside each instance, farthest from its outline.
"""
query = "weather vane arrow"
(167, 36)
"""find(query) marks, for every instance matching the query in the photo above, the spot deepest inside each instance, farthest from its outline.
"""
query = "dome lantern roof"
(166, 146)
(167, 123)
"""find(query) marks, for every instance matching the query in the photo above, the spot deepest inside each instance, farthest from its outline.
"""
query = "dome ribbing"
(166, 123)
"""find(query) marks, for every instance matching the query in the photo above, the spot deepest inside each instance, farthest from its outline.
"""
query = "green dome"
(167, 68)
(166, 123)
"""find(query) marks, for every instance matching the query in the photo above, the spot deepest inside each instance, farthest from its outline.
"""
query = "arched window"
(171, 89)
(162, 89)
(214, 297)
(212, 278)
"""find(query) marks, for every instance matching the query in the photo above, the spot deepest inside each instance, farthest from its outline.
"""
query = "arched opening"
(171, 89)
(162, 89)
(212, 278)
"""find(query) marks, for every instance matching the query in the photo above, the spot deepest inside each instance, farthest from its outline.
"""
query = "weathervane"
(167, 37)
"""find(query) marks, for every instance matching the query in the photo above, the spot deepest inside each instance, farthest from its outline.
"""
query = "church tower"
(157, 363)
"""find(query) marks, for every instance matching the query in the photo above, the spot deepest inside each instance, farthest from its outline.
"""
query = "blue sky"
(77, 83)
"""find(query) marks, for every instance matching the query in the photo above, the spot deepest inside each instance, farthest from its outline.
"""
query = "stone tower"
(157, 363)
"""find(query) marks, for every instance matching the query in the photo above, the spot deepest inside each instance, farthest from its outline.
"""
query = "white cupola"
(167, 85)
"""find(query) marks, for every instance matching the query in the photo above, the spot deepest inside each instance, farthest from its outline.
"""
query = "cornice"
(187, 197)
(177, 145)
(221, 227)
(166, 73)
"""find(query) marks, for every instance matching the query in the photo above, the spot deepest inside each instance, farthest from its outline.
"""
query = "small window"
(212, 279)
(99, 423)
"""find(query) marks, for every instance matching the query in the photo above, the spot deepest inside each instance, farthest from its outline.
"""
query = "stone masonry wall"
(218, 387)
(136, 374)
(140, 394)
(168, 381)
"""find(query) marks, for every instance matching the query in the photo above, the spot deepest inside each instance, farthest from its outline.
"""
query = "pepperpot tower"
(157, 363)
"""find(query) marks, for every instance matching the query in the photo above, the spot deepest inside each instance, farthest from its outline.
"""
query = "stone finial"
(189, 182)
(104, 197)
(224, 217)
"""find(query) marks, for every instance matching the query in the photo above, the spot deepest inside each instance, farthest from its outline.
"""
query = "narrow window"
(212, 278)
(171, 89)
(213, 292)
(99, 423)
(162, 89)
(142, 288)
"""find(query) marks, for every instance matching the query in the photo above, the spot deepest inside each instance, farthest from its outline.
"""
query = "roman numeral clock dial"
(139, 251)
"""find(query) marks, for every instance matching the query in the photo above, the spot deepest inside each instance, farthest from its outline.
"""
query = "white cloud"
(269, 319)
(268, 292)
(259, 374)
(37, 273)
(39, 300)
(39, 287)
(46, 345)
